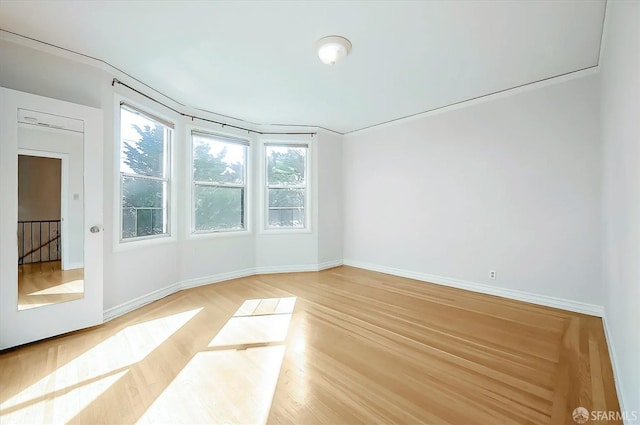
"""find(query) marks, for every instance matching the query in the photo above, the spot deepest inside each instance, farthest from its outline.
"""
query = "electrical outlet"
(492, 274)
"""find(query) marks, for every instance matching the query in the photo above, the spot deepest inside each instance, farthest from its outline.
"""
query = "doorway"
(36, 126)
(45, 274)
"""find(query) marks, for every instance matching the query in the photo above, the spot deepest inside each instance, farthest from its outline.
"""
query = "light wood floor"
(359, 347)
(46, 283)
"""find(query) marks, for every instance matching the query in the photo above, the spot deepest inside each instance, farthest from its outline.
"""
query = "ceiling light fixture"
(333, 48)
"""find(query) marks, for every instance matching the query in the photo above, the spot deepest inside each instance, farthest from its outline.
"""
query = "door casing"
(24, 326)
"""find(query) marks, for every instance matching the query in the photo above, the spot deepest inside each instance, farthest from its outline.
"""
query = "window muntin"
(286, 185)
(219, 189)
(145, 152)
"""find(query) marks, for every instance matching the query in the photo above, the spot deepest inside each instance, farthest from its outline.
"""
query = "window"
(219, 183)
(144, 174)
(286, 188)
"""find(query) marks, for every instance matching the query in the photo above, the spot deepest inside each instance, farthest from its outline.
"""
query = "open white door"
(76, 134)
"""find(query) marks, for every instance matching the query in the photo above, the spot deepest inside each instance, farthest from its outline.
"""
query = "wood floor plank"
(342, 346)
(41, 284)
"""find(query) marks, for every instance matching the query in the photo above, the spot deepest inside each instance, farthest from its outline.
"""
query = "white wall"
(510, 184)
(330, 198)
(39, 188)
(32, 71)
(620, 109)
(140, 270)
(298, 249)
(135, 270)
(71, 144)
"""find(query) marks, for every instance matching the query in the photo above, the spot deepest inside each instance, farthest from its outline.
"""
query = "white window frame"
(308, 186)
(193, 233)
(121, 243)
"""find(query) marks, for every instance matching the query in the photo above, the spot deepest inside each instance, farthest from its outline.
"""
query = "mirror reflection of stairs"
(38, 241)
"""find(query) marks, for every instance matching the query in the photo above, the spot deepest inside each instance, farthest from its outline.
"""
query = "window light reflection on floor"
(89, 375)
(233, 380)
(73, 287)
(257, 322)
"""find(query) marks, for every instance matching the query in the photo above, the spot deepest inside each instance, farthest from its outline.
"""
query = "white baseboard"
(126, 307)
(192, 283)
(220, 277)
(329, 265)
(73, 266)
(299, 268)
(119, 310)
(570, 305)
(545, 300)
(286, 269)
(612, 356)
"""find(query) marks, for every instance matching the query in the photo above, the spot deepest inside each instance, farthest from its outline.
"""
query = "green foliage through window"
(286, 186)
(143, 175)
(219, 183)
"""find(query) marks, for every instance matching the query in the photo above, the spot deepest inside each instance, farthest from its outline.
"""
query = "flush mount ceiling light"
(333, 48)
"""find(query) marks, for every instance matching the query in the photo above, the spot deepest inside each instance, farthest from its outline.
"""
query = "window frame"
(246, 143)
(168, 177)
(265, 228)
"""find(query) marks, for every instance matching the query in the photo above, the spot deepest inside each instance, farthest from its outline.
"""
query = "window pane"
(286, 165)
(129, 223)
(286, 208)
(144, 207)
(287, 217)
(217, 161)
(286, 198)
(219, 208)
(143, 149)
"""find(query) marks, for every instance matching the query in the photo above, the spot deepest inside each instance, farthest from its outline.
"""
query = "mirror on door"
(50, 210)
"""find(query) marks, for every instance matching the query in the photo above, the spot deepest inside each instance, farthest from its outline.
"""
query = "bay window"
(219, 183)
(286, 185)
(145, 152)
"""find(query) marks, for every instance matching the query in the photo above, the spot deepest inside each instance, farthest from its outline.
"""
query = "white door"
(67, 124)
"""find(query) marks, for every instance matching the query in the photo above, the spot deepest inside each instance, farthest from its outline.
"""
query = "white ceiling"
(257, 61)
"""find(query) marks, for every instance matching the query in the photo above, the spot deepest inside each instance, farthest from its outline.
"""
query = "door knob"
(94, 229)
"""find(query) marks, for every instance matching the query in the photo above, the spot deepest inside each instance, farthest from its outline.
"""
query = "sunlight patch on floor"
(233, 380)
(284, 305)
(62, 406)
(223, 387)
(73, 287)
(253, 330)
(73, 386)
(41, 284)
(29, 306)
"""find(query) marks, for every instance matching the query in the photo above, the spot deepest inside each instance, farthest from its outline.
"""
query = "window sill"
(285, 231)
(143, 243)
(217, 235)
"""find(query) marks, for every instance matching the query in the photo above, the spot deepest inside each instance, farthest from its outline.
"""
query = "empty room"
(320, 212)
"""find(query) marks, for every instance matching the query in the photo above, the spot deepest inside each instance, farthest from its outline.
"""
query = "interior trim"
(514, 294)
(612, 356)
(560, 78)
(104, 64)
(126, 307)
